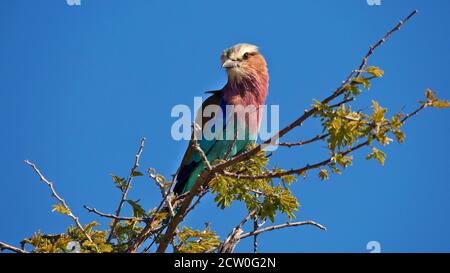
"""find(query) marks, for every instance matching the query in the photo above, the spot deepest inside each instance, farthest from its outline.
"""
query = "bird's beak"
(230, 64)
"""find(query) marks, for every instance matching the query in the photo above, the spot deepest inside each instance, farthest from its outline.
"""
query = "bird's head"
(244, 61)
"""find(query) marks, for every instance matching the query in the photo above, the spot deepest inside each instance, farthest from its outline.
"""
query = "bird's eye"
(245, 56)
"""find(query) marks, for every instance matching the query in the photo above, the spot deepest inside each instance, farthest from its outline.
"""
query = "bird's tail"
(187, 176)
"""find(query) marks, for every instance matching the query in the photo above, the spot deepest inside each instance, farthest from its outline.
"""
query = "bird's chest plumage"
(242, 113)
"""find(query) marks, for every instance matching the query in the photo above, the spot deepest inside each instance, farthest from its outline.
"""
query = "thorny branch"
(60, 200)
(112, 216)
(301, 143)
(127, 187)
(203, 192)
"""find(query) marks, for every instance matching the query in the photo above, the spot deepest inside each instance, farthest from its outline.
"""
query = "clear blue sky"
(80, 85)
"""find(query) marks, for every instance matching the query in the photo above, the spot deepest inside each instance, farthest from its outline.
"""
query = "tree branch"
(127, 187)
(202, 154)
(316, 165)
(61, 201)
(199, 198)
(204, 177)
(12, 248)
(380, 42)
(301, 143)
(412, 114)
(230, 147)
(290, 224)
(228, 245)
(112, 216)
(298, 171)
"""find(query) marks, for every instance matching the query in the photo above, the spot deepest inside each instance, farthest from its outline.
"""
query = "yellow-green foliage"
(195, 241)
(57, 243)
(267, 195)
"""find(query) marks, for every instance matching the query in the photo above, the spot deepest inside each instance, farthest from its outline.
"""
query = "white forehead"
(237, 51)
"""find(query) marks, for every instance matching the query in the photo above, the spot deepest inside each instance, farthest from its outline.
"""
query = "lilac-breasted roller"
(241, 101)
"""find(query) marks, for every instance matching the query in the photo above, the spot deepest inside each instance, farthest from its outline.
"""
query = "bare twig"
(342, 102)
(199, 198)
(170, 206)
(230, 147)
(301, 143)
(228, 245)
(199, 150)
(162, 187)
(290, 224)
(61, 201)
(12, 248)
(255, 235)
(127, 187)
(380, 42)
(112, 216)
(412, 114)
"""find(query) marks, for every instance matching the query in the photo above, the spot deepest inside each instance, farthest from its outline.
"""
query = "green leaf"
(137, 173)
(138, 211)
(435, 102)
(364, 81)
(59, 208)
(196, 241)
(399, 135)
(91, 225)
(120, 182)
(376, 71)
(396, 122)
(323, 174)
(288, 203)
(343, 161)
(430, 95)
(352, 89)
(377, 155)
(378, 112)
(440, 104)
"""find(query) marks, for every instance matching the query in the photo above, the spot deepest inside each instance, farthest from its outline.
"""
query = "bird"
(246, 88)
